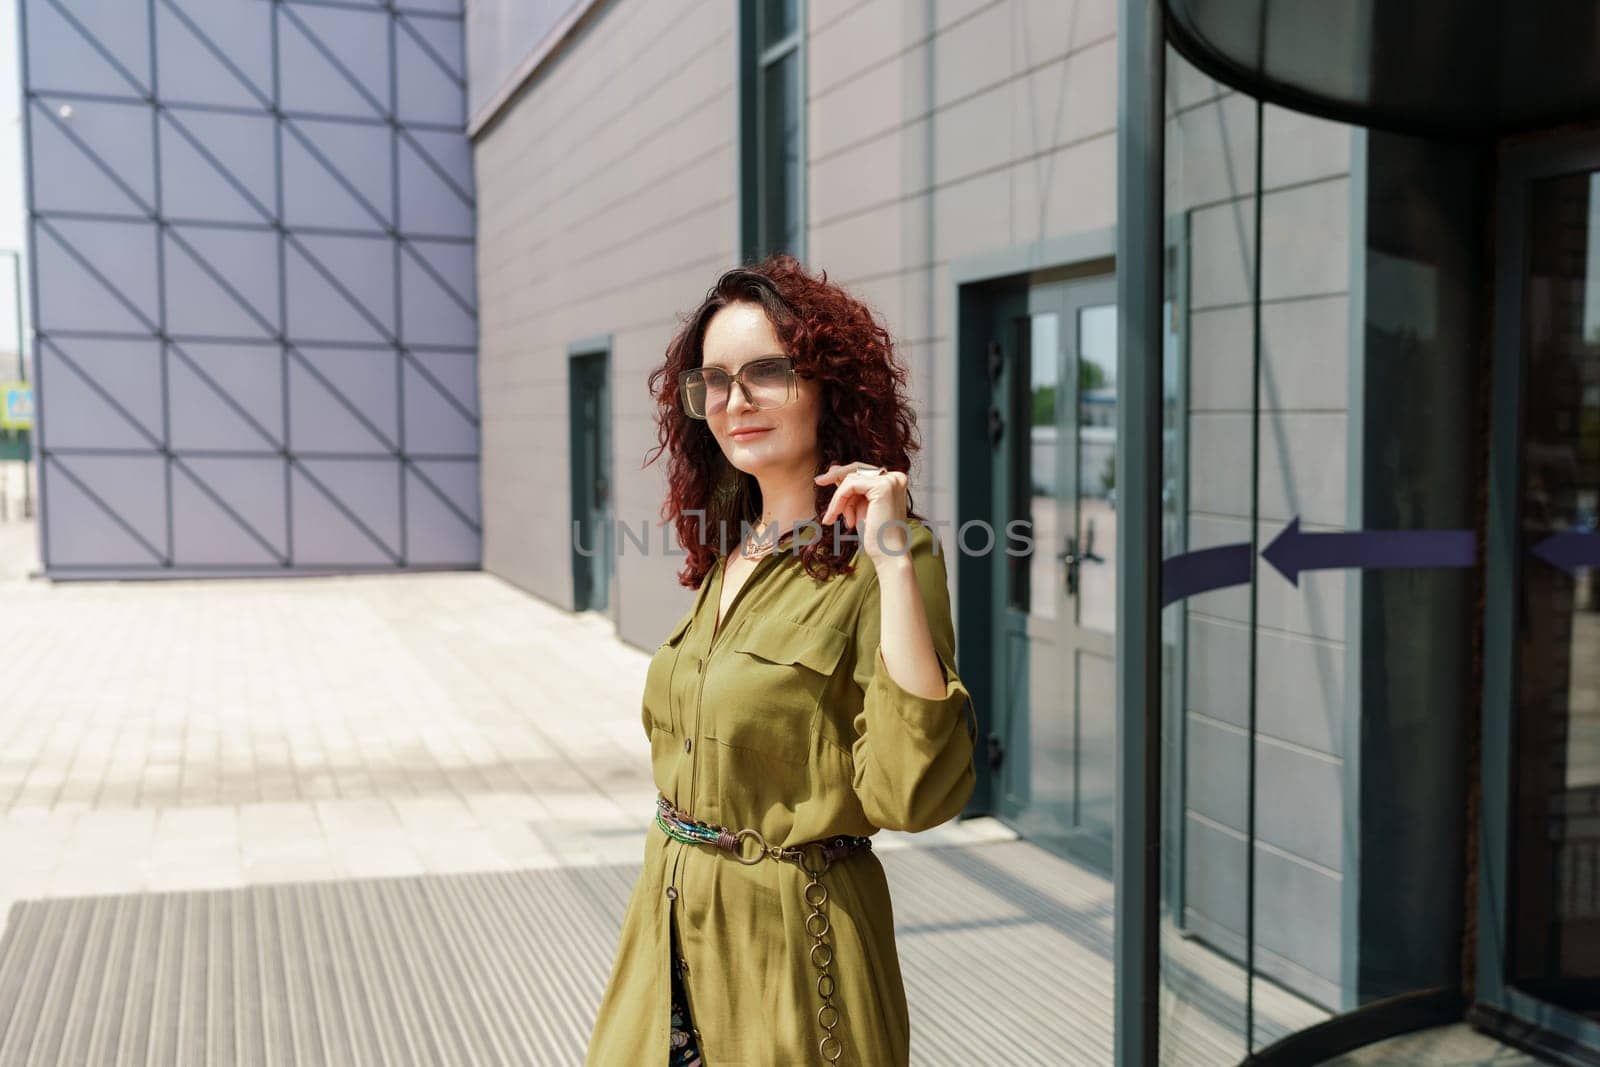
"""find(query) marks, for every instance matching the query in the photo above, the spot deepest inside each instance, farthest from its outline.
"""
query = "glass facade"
(1555, 945)
(1256, 722)
(1312, 855)
(1380, 729)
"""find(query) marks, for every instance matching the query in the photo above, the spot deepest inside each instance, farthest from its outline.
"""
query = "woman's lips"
(746, 435)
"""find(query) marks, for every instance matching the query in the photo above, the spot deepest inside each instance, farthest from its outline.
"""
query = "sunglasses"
(767, 382)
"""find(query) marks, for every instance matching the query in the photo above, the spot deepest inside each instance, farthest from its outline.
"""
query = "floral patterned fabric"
(685, 1048)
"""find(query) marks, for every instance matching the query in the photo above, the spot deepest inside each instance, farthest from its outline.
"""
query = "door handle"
(1069, 558)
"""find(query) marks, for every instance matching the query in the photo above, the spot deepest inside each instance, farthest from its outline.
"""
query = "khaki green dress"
(786, 720)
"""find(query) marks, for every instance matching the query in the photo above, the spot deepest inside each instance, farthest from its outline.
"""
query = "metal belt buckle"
(738, 847)
(805, 858)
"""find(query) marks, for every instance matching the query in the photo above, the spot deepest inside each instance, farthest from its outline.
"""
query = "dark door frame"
(587, 572)
(1513, 1014)
(990, 290)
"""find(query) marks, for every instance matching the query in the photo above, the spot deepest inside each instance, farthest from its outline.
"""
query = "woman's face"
(770, 439)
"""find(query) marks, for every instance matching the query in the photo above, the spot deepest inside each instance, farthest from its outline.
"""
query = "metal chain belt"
(677, 824)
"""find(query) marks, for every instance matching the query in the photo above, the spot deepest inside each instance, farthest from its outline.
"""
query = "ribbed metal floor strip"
(473, 970)
(1006, 952)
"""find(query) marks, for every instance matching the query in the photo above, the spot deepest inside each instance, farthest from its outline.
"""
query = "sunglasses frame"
(737, 378)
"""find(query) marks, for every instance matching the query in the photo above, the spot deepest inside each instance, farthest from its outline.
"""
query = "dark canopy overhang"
(1451, 68)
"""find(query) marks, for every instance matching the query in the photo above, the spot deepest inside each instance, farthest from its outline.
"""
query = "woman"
(809, 695)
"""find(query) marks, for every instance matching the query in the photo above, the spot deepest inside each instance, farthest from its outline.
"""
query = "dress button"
(672, 892)
(688, 743)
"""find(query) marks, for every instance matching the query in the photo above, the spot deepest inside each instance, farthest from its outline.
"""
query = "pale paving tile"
(107, 852)
(283, 842)
(448, 835)
(198, 734)
(367, 838)
(197, 848)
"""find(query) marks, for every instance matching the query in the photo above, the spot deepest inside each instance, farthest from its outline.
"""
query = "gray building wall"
(502, 35)
(610, 205)
(253, 287)
(607, 197)
(935, 132)
(940, 131)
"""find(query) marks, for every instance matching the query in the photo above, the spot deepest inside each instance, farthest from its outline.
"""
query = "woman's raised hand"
(873, 502)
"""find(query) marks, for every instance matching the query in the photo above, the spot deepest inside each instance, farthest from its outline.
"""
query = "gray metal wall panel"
(253, 246)
(608, 203)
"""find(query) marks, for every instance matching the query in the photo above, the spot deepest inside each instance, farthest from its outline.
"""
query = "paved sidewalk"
(218, 734)
(211, 766)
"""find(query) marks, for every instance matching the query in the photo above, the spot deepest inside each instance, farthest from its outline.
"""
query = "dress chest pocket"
(776, 678)
(658, 679)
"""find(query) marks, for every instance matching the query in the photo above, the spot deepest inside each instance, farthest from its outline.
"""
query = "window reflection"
(1097, 471)
(1044, 577)
(1557, 913)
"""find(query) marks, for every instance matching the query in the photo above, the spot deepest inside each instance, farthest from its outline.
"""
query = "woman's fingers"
(843, 500)
(835, 472)
(842, 470)
(852, 495)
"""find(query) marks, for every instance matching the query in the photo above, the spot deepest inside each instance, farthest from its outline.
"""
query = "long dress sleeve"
(912, 754)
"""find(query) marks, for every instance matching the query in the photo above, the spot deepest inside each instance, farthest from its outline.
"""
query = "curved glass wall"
(1315, 708)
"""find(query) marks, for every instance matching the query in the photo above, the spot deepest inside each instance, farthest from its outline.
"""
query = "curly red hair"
(831, 337)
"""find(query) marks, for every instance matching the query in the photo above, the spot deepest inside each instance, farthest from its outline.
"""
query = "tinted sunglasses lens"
(692, 390)
(709, 390)
(768, 381)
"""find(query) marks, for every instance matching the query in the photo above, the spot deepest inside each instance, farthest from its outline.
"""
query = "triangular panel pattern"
(236, 184)
(247, 527)
(433, 423)
(264, 350)
(82, 531)
(333, 61)
(324, 534)
(456, 374)
(435, 314)
(132, 488)
(100, 275)
(216, 52)
(101, 156)
(430, 90)
(101, 393)
(458, 480)
(347, 403)
(344, 179)
(229, 278)
(437, 534)
(226, 396)
(100, 49)
(433, 182)
(356, 303)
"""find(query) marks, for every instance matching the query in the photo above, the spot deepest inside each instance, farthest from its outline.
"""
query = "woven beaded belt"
(677, 824)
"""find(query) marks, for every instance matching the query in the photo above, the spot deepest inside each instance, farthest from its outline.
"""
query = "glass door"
(1538, 968)
(1059, 393)
(1555, 857)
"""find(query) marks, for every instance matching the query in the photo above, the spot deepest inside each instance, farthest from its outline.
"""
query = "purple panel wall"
(251, 238)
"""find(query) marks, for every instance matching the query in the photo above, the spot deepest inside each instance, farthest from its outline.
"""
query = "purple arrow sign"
(1292, 551)
(1570, 550)
(1201, 571)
